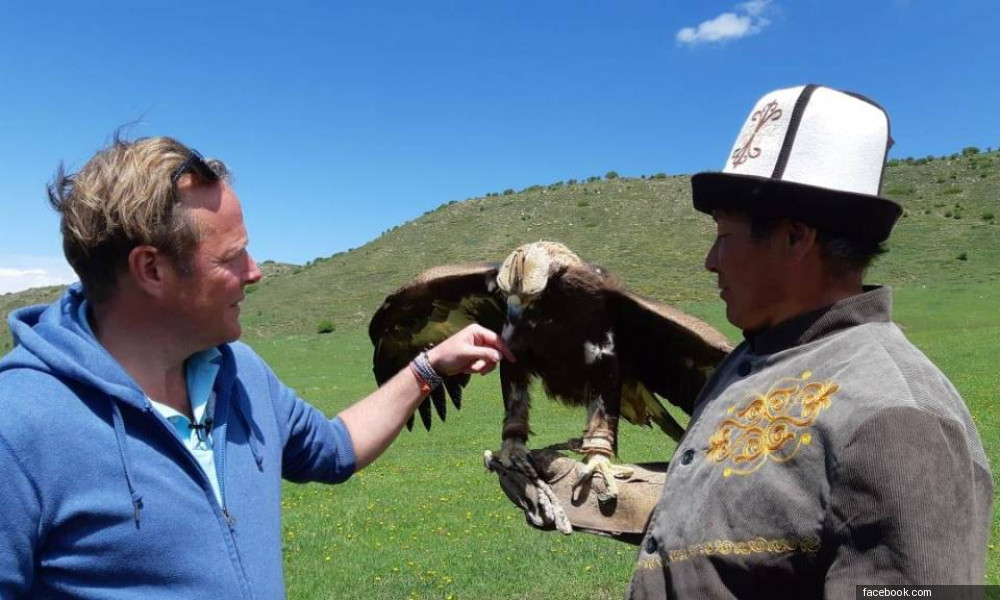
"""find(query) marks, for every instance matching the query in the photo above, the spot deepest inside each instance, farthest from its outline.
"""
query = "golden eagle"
(568, 322)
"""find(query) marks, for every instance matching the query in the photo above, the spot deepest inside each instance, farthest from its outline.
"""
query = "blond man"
(142, 447)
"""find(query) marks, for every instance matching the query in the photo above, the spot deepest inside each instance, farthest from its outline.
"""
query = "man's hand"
(475, 349)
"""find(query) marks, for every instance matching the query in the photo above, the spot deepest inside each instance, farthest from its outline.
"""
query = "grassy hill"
(643, 229)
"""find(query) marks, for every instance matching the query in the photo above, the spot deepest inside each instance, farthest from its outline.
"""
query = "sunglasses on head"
(195, 163)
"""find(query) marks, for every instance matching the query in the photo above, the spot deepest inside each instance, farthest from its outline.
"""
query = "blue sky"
(343, 119)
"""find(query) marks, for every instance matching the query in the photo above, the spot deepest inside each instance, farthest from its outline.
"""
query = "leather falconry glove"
(549, 503)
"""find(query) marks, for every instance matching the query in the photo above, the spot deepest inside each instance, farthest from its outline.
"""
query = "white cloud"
(748, 19)
(19, 272)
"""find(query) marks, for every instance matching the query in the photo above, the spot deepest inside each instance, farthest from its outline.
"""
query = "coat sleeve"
(20, 514)
(908, 505)
(314, 447)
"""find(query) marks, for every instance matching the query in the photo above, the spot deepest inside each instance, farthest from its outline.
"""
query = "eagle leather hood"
(101, 498)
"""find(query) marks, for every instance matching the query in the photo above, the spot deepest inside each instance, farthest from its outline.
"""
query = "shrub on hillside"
(508, 192)
(987, 216)
(325, 326)
(970, 150)
(963, 256)
(611, 175)
(659, 176)
(901, 190)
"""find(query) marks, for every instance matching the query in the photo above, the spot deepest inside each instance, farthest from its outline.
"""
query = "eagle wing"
(662, 350)
(426, 311)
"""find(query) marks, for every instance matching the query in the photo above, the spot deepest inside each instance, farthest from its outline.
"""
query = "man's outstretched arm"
(375, 421)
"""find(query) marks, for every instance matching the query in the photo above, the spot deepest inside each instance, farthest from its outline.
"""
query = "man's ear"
(149, 269)
(799, 239)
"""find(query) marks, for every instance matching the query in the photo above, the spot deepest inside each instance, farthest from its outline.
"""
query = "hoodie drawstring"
(119, 424)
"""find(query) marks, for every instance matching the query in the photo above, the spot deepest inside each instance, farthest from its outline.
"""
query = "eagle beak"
(514, 309)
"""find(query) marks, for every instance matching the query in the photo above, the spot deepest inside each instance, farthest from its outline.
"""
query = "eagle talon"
(600, 465)
(514, 455)
(540, 504)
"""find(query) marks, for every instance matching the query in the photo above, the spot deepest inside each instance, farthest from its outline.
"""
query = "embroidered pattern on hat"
(746, 151)
(771, 426)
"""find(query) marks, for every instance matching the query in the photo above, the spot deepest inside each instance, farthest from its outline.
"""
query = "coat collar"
(873, 305)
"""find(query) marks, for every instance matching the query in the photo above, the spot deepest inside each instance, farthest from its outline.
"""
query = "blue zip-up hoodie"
(100, 499)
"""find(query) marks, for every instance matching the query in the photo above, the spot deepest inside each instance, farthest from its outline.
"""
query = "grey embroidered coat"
(825, 452)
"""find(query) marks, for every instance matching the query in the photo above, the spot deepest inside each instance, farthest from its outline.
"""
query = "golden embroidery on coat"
(729, 547)
(770, 426)
(745, 548)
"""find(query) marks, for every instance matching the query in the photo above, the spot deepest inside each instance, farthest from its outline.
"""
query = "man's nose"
(712, 259)
(253, 274)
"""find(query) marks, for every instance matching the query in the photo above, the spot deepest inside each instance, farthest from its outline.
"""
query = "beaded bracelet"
(426, 375)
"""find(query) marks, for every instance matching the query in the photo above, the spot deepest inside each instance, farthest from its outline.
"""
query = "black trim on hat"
(793, 129)
(858, 216)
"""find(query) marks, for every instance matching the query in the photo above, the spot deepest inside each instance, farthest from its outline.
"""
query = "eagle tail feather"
(440, 402)
(425, 414)
(455, 391)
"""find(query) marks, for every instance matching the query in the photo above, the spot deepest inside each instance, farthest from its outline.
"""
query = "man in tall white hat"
(826, 451)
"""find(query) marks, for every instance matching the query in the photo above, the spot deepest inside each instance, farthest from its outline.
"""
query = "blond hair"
(122, 198)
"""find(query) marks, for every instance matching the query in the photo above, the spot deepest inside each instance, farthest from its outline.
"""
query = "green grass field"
(427, 521)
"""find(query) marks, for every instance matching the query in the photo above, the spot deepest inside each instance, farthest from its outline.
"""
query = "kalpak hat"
(809, 153)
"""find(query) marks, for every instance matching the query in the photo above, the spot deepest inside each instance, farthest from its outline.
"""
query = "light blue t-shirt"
(200, 371)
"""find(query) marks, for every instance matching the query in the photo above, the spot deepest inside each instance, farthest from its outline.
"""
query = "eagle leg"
(517, 402)
(600, 439)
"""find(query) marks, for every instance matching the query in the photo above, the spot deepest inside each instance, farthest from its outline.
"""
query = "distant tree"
(571, 182)
(970, 151)
(508, 192)
(659, 176)
(611, 175)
